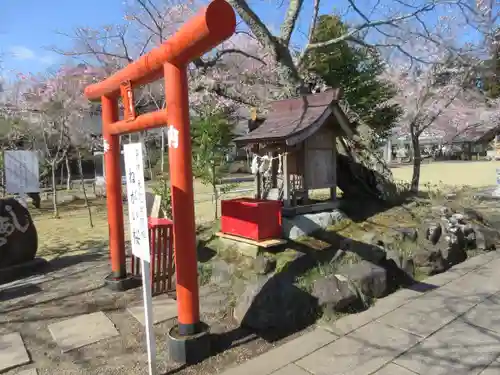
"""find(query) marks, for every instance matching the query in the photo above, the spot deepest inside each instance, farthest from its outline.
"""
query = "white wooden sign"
(21, 172)
(136, 195)
(138, 217)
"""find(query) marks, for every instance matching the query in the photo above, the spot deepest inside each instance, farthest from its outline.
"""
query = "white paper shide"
(173, 137)
(136, 195)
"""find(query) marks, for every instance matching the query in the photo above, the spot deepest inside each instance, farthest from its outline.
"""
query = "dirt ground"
(456, 173)
(80, 262)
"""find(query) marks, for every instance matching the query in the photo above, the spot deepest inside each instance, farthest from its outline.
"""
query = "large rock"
(407, 234)
(453, 247)
(433, 232)
(485, 238)
(263, 265)
(335, 295)
(474, 215)
(372, 253)
(274, 304)
(404, 263)
(443, 211)
(18, 236)
(304, 225)
(429, 261)
(368, 277)
(222, 273)
(469, 236)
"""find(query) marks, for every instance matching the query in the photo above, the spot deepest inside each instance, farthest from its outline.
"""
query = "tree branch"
(254, 23)
(292, 14)
(367, 24)
(200, 63)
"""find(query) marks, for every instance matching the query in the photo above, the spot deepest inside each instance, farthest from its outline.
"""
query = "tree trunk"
(162, 161)
(215, 192)
(417, 161)
(148, 157)
(68, 174)
(54, 190)
(61, 179)
(80, 171)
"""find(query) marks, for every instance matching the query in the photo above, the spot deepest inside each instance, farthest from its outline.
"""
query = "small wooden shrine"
(295, 150)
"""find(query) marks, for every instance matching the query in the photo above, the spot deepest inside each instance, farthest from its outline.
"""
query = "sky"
(29, 27)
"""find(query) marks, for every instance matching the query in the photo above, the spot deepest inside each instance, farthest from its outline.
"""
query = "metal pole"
(114, 189)
(181, 179)
(148, 316)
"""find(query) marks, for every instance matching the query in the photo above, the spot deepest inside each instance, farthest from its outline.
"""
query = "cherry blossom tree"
(54, 106)
(439, 102)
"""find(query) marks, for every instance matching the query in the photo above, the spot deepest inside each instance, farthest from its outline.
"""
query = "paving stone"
(31, 371)
(280, 357)
(474, 284)
(291, 369)
(489, 270)
(486, 314)
(421, 323)
(459, 349)
(454, 298)
(393, 369)
(443, 278)
(12, 351)
(361, 352)
(492, 369)
(349, 323)
(477, 261)
(164, 308)
(82, 330)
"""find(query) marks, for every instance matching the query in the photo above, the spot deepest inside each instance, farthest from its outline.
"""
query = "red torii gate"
(210, 27)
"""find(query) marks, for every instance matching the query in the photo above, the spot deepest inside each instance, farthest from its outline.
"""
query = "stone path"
(450, 324)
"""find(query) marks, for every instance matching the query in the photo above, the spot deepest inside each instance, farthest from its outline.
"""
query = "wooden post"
(305, 186)
(333, 190)
(286, 181)
(257, 187)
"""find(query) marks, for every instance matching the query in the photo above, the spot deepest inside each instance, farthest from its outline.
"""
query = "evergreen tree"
(355, 69)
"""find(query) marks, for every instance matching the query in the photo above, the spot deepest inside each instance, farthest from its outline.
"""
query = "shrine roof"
(291, 117)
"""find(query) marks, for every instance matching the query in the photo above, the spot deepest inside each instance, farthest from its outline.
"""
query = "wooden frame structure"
(298, 140)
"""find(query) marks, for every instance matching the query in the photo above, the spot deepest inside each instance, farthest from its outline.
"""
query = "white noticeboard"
(138, 217)
(21, 172)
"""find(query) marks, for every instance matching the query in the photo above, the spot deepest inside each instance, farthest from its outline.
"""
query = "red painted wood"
(250, 218)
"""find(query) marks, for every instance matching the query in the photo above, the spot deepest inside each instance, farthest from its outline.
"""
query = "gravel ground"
(29, 306)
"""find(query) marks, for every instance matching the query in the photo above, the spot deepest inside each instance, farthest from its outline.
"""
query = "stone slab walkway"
(82, 330)
(164, 308)
(12, 351)
(449, 324)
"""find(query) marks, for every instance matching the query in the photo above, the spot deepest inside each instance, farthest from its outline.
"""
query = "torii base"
(122, 284)
(189, 350)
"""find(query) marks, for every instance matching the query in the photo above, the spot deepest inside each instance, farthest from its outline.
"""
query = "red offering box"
(250, 218)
